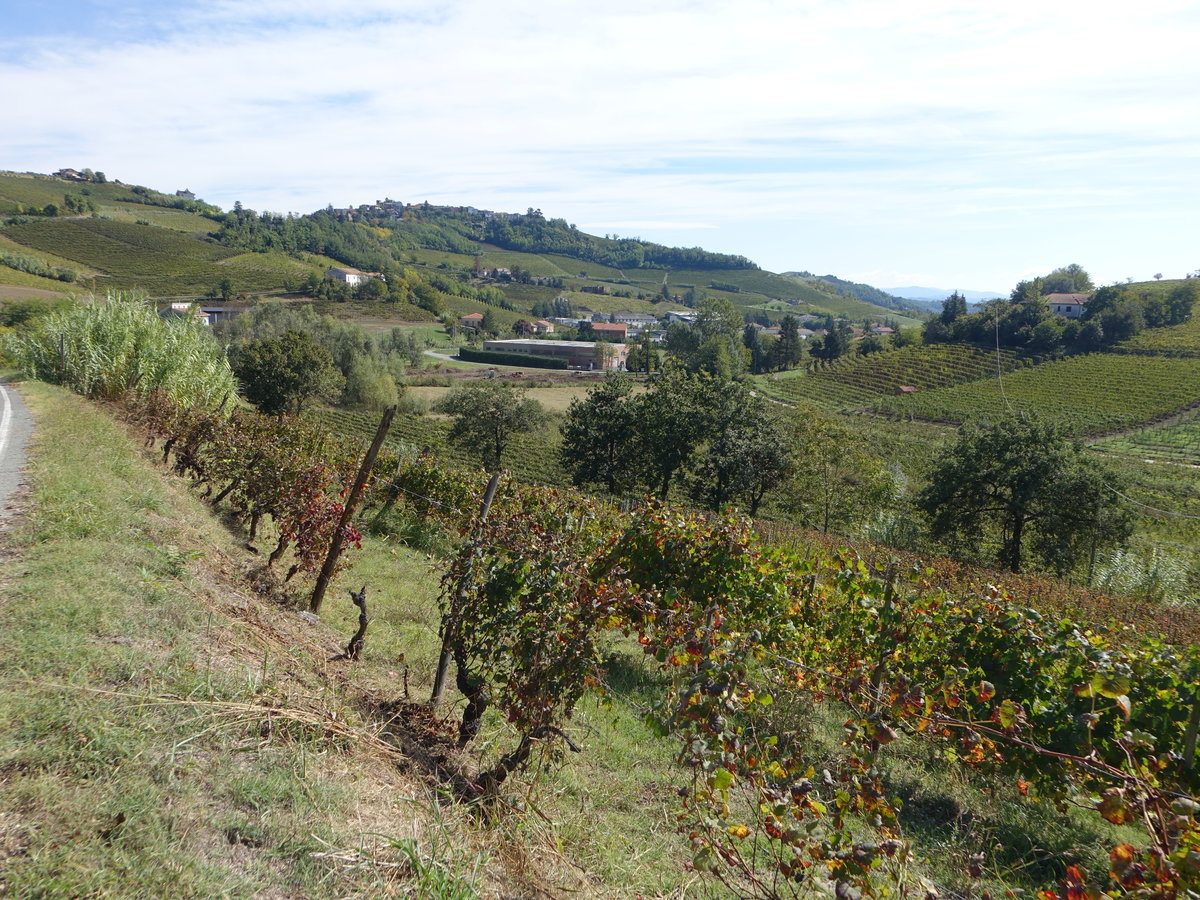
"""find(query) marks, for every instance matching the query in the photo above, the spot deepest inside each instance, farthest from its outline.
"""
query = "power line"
(1162, 512)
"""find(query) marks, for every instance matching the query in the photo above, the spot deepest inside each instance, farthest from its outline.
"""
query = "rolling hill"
(132, 237)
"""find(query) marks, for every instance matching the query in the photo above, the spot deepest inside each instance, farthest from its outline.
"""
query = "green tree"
(747, 455)
(837, 483)
(282, 374)
(643, 356)
(789, 347)
(1072, 279)
(489, 325)
(487, 415)
(672, 421)
(953, 307)
(598, 436)
(1022, 484)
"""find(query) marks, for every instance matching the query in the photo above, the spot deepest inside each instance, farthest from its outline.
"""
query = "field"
(1172, 442)
(1177, 340)
(534, 455)
(855, 382)
(1085, 394)
(40, 190)
(161, 217)
(554, 399)
(158, 260)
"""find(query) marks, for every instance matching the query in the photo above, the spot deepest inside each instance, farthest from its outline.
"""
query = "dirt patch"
(19, 292)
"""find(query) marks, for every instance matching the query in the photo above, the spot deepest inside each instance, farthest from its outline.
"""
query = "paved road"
(15, 428)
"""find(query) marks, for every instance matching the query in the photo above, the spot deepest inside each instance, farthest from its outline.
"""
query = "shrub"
(105, 350)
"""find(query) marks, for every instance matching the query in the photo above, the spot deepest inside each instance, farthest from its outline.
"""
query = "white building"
(351, 277)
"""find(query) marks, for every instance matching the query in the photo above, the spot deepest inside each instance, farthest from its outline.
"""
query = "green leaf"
(1110, 684)
(721, 780)
(1006, 714)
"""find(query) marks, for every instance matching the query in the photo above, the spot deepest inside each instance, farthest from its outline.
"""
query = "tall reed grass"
(107, 349)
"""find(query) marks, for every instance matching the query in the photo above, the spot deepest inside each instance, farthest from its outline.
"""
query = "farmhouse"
(1069, 306)
(473, 321)
(350, 276)
(578, 354)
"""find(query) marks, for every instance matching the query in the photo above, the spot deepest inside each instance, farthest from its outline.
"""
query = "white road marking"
(5, 421)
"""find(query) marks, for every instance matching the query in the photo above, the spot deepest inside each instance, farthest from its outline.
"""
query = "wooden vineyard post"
(335, 545)
(443, 666)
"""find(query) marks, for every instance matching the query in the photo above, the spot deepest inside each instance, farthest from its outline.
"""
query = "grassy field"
(162, 217)
(554, 399)
(534, 455)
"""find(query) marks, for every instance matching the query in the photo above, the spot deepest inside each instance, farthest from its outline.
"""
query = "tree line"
(1025, 320)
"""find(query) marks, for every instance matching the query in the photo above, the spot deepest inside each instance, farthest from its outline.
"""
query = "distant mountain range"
(937, 295)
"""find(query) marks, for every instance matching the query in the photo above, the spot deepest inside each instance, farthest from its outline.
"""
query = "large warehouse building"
(578, 354)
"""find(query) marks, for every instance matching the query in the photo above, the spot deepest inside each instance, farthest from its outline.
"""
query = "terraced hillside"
(1087, 395)
(859, 381)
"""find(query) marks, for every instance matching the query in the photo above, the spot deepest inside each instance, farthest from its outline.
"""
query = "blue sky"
(933, 142)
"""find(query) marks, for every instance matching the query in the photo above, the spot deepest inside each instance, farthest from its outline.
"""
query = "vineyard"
(861, 380)
(158, 260)
(1175, 442)
(1176, 340)
(534, 455)
(1085, 394)
(742, 643)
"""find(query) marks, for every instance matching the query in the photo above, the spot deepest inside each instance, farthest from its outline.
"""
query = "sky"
(939, 143)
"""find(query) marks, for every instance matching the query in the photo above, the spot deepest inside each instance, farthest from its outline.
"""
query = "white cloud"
(935, 115)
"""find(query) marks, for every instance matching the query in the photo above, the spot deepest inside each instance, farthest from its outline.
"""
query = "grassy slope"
(138, 757)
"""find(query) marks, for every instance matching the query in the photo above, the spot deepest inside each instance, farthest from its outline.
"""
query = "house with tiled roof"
(1069, 306)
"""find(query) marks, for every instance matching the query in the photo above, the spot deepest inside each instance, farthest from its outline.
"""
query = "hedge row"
(511, 359)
